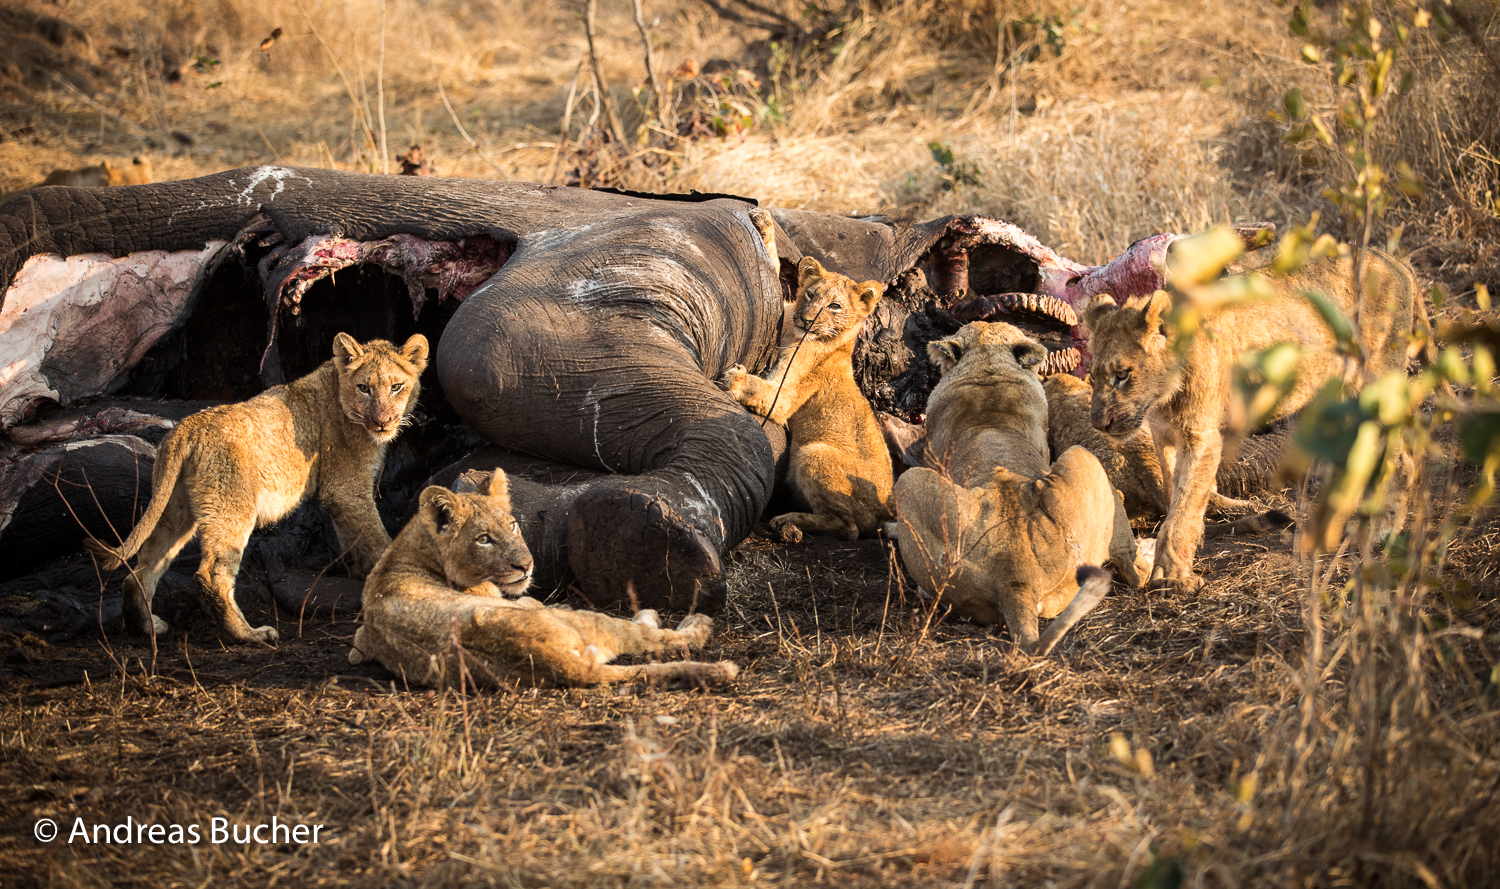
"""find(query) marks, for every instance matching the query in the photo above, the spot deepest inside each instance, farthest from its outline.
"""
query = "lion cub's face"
(475, 538)
(1134, 368)
(828, 303)
(378, 383)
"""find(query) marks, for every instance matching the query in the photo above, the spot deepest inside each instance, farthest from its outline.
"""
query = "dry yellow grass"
(866, 744)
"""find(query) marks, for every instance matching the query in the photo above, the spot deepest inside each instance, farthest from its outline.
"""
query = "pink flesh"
(53, 302)
(454, 268)
(1136, 272)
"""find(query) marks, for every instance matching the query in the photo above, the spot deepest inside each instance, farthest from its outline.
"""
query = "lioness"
(839, 462)
(988, 524)
(228, 470)
(451, 587)
(1139, 377)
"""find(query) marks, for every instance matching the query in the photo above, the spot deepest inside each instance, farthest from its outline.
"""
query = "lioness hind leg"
(1019, 608)
(173, 531)
(224, 541)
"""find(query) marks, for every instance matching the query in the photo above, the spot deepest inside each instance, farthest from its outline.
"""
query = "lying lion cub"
(839, 462)
(994, 529)
(1140, 376)
(106, 173)
(228, 470)
(451, 584)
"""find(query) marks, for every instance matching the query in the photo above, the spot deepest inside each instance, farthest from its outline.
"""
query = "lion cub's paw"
(265, 635)
(360, 563)
(733, 380)
(1182, 583)
(648, 617)
(485, 588)
(697, 627)
(784, 530)
(357, 654)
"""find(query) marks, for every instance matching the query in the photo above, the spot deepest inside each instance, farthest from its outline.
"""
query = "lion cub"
(990, 525)
(1140, 376)
(839, 462)
(228, 470)
(451, 586)
(101, 174)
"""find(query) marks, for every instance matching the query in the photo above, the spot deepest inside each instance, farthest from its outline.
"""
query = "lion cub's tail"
(1093, 584)
(169, 459)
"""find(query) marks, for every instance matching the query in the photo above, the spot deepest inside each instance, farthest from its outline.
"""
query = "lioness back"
(225, 471)
(991, 525)
(445, 606)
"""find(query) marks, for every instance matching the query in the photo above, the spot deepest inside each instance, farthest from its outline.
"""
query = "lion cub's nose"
(523, 567)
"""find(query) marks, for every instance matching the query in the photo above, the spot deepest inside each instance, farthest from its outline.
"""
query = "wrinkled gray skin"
(591, 329)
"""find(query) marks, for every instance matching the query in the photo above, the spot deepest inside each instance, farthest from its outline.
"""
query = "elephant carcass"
(578, 330)
(586, 330)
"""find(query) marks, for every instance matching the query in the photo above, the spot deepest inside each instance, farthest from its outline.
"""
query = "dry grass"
(866, 743)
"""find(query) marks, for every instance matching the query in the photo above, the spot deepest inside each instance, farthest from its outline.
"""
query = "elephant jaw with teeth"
(983, 269)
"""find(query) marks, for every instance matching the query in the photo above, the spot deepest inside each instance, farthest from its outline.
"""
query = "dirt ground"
(868, 742)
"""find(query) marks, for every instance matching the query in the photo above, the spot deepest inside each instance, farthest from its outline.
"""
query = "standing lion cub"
(1142, 375)
(447, 597)
(839, 465)
(228, 470)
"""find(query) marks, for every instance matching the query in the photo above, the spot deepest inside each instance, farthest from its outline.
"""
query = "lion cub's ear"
(1028, 354)
(440, 507)
(868, 294)
(1098, 307)
(345, 350)
(415, 351)
(1155, 311)
(809, 269)
(945, 353)
(499, 489)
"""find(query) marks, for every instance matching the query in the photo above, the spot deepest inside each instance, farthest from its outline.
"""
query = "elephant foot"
(624, 543)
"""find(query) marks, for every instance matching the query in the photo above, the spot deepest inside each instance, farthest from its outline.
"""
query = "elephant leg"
(686, 471)
(654, 540)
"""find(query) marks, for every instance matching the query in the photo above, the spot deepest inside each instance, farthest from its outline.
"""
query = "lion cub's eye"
(1120, 378)
(484, 540)
(397, 387)
(363, 389)
(836, 307)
